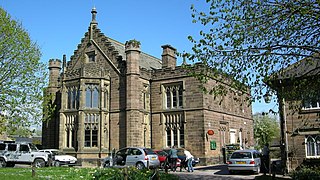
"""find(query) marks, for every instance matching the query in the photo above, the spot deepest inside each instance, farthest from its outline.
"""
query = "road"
(214, 172)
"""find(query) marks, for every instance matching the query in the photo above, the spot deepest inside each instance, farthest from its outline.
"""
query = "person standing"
(265, 158)
(189, 159)
(173, 153)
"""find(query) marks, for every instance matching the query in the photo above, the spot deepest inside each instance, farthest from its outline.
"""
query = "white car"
(59, 158)
(244, 160)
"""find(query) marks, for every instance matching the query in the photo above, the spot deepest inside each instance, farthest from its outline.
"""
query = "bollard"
(125, 173)
(33, 171)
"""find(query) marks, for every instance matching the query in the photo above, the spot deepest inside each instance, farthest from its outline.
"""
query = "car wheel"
(3, 163)
(57, 164)
(39, 163)
(140, 165)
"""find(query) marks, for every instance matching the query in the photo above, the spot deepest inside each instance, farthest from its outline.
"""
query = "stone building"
(112, 95)
(297, 88)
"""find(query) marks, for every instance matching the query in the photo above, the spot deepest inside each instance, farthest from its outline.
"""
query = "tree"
(250, 40)
(22, 76)
(266, 128)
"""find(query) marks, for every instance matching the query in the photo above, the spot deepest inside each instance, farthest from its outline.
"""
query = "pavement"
(219, 172)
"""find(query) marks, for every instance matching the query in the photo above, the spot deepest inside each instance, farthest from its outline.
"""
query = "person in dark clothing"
(265, 159)
(173, 158)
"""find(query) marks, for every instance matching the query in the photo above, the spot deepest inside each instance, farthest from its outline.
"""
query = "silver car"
(133, 156)
(244, 160)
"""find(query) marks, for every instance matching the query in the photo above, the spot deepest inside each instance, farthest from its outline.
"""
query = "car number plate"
(153, 158)
(240, 162)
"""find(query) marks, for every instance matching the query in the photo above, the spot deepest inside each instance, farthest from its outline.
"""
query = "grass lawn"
(76, 173)
(46, 173)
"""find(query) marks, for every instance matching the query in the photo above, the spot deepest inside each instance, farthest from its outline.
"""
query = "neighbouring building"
(112, 95)
(298, 94)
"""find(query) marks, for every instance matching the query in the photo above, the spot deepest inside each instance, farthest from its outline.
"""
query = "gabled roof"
(304, 68)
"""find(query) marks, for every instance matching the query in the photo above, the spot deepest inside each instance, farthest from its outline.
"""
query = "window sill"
(310, 110)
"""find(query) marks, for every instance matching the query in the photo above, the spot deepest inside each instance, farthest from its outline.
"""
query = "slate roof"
(304, 68)
(146, 61)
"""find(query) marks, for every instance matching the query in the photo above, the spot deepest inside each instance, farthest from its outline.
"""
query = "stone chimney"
(169, 59)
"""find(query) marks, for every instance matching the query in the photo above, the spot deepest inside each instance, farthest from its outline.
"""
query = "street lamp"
(267, 97)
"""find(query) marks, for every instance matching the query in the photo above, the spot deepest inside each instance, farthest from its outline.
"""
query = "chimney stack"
(169, 59)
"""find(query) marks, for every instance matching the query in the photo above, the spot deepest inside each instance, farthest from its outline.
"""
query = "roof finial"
(94, 14)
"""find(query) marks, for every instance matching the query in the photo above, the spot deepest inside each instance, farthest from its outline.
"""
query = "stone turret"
(133, 114)
(169, 59)
(133, 56)
(54, 72)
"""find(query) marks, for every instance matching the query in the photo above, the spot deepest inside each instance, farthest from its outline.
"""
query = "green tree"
(252, 39)
(266, 128)
(22, 76)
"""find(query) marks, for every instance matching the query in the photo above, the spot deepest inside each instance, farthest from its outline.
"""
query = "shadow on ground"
(223, 170)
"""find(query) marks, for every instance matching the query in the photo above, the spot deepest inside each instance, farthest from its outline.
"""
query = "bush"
(132, 173)
(306, 173)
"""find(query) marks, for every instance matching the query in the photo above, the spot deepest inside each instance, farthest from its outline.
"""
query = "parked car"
(163, 158)
(12, 153)
(133, 156)
(244, 160)
(182, 156)
(59, 158)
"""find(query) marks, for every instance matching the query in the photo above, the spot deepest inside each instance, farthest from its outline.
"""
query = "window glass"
(12, 147)
(95, 98)
(92, 96)
(88, 98)
(2, 146)
(94, 138)
(173, 96)
(310, 146)
(24, 147)
(169, 137)
(168, 94)
(87, 138)
(148, 151)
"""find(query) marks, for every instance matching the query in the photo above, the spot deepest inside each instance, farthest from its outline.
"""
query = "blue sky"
(58, 26)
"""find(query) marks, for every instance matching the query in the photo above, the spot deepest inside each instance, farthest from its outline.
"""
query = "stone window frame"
(312, 147)
(91, 56)
(145, 97)
(91, 130)
(73, 97)
(105, 95)
(71, 130)
(175, 90)
(310, 100)
(223, 133)
(93, 87)
(174, 129)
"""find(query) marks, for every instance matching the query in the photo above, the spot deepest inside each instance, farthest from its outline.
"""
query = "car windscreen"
(33, 147)
(149, 151)
(241, 155)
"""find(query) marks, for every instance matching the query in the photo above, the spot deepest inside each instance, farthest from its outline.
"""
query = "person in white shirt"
(189, 159)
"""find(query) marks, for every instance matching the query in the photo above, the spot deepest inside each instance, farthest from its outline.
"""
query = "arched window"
(174, 129)
(173, 96)
(312, 143)
(92, 96)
